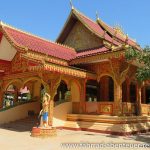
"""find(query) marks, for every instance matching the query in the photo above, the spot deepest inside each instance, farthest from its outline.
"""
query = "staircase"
(21, 125)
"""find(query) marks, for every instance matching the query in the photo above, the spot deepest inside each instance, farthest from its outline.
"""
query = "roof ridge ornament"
(1, 22)
(97, 15)
(71, 4)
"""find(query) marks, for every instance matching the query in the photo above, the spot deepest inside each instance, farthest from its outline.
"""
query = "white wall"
(7, 52)
(18, 112)
(60, 113)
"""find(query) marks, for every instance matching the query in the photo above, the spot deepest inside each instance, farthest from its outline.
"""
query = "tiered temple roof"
(28, 42)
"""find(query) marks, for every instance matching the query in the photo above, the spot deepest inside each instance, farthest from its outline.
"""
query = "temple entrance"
(63, 94)
(92, 91)
(133, 92)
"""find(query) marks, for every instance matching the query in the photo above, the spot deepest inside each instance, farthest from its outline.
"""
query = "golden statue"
(44, 111)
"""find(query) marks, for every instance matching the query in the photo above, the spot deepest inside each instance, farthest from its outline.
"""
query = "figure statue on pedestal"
(44, 111)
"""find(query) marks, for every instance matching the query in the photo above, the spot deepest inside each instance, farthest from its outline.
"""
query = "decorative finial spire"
(97, 16)
(1, 23)
(71, 4)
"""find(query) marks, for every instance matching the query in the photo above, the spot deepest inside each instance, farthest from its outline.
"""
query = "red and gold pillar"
(138, 99)
(52, 90)
(117, 99)
(82, 105)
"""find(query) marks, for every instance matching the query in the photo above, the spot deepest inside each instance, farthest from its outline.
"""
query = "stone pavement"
(16, 136)
(16, 140)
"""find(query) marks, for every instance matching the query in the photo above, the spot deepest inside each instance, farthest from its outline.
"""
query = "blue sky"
(47, 17)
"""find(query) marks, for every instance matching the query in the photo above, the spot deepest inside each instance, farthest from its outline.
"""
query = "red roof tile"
(92, 52)
(118, 36)
(37, 44)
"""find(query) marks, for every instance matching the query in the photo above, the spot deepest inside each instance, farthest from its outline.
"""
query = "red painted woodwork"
(5, 66)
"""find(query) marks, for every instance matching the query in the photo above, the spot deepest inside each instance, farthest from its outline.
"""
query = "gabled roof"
(88, 23)
(100, 29)
(28, 42)
(33, 43)
(119, 36)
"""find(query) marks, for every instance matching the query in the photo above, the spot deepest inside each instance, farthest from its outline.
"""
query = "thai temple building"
(91, 84)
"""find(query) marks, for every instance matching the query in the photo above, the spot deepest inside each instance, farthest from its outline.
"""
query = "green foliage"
(143, 59)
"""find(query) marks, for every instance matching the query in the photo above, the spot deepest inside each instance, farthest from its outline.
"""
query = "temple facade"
(85, 73)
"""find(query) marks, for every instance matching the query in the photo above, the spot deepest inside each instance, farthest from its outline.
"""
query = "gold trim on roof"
(105, 26)
(32, 55)
(62, 70)
(84, 60)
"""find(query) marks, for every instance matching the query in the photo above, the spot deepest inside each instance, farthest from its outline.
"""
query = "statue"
(44, 111)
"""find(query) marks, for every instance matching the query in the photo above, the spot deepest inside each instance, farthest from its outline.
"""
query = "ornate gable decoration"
(119, 30)
(19, 64)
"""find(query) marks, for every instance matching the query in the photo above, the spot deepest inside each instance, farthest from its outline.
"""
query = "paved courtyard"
(21, 140)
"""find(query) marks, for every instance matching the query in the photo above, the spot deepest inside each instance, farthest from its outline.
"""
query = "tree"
(143, 59)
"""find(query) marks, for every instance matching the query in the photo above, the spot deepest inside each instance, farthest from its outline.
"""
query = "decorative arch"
(46, 86)
(66, 81)
(106, 74)
(61, 91)
(77, 83)
(18, 81)
(31, 79)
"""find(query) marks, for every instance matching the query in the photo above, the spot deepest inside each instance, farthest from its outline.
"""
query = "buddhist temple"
(91, 84)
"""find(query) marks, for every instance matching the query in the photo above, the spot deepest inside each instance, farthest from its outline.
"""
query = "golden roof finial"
(71, 4)
(118, 28)
(1, 22)
(97, 15)
(127, 37)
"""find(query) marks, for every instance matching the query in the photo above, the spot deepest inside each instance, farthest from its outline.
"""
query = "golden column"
(138, 99)
(54, 83)
(117, 99)
(82, 105)
(119, 75)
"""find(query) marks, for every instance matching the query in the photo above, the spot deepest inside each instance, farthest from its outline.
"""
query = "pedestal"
(43, 131)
